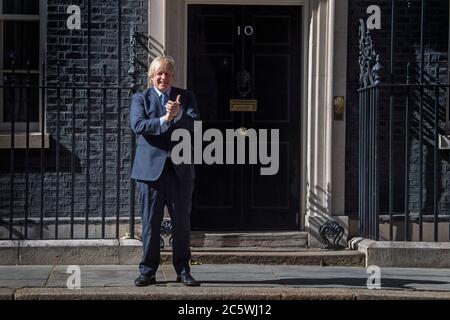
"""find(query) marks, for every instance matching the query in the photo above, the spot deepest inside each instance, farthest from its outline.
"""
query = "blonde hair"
(166, 62)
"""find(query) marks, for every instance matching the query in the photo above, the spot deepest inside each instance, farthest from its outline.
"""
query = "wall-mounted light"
(339, 108)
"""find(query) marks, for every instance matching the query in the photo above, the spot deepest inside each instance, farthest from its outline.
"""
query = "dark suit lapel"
(154, 102)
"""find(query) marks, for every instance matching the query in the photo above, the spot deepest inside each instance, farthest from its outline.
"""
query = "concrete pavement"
(224, 281)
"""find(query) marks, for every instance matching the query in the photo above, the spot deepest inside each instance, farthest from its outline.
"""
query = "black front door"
(247, 53)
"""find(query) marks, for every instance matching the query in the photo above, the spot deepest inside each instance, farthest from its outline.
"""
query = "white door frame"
(169, 36)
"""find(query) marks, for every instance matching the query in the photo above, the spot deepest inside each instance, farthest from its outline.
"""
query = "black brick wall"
(407, 49)
(70, 47)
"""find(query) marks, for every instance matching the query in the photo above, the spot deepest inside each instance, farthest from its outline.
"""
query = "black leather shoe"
(144, 280)
(187, 280)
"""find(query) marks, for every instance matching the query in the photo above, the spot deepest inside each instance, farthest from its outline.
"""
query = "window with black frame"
(20, 56)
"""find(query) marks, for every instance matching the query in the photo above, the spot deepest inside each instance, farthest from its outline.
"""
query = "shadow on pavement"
(346, 282)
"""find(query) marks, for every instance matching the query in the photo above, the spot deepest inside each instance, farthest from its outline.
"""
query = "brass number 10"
(248, 30)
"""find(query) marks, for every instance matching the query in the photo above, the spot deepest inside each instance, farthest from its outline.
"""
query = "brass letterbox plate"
(242, 105)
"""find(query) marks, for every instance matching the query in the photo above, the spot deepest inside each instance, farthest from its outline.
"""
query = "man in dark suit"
(154, 114)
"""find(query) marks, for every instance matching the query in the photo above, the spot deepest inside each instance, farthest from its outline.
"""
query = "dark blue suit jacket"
(152, 145)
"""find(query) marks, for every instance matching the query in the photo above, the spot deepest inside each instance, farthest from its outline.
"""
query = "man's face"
(162, 79)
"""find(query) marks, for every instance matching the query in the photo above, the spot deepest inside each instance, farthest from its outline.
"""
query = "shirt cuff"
(178, 117)
(164, 124)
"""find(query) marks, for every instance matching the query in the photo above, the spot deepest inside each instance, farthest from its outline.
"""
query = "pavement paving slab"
(240, 275)
(24, 272)
(98, 276)
(24, 276)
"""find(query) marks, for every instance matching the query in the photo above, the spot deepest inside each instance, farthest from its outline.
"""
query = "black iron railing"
(57, 178)
(73, 180)
(400, 159)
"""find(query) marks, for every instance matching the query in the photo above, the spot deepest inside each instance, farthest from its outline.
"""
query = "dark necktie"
(164, 99)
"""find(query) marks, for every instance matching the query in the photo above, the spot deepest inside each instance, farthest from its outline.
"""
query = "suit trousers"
(168, 190)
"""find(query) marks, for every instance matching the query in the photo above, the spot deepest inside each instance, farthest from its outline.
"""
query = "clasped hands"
(172, 109)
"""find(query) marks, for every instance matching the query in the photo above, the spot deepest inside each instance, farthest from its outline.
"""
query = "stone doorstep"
(281, 239)
(403, 254)
(331, 258)
(129, 251)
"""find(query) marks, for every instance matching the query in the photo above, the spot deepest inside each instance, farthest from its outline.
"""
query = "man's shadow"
(386, 283)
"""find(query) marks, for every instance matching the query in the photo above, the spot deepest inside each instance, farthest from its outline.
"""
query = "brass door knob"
(242, 131)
